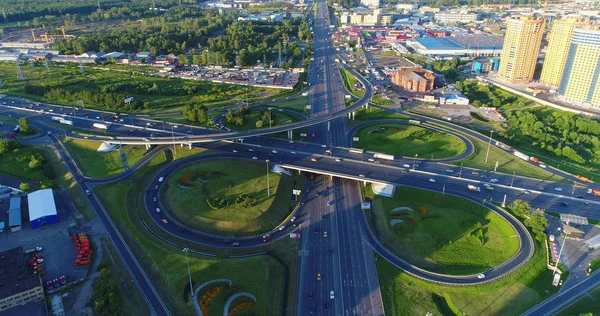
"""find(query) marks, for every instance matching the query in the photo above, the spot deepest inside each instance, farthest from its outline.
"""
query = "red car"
(49, 285)
(267, 239)
(56, 284)
(63, 280)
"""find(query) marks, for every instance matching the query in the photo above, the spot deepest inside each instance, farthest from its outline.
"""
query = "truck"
(356, 150)
(503, 146)
(100, 126)
(294, 235)
(473, 188)
(520, 155)
(415, 122)
(33, 250)
(584, 179)
(56, 118)
(534, 159)
(593, 192)
(66, 122)
(384, 156)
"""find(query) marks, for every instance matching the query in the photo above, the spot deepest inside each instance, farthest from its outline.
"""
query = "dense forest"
(177, 32)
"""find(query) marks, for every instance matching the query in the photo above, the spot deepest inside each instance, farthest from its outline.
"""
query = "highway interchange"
(344, 258)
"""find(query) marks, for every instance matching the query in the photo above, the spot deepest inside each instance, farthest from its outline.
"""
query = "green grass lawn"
(298, 104)
(350, 81)
(166, 265)
(101, 165)
(228, 179)
(250, 120)
(443, 233)
(511, 295)
(17, 164)
(408, 140)
(373, 114)
(507, 163)
(378, 99)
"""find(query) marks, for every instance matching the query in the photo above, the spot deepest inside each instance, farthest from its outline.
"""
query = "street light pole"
(415, 161)
(460, 172)
(573, 192)
(270, 119)
(444, 189)
(189, 273)
(173, 137)
(559, 253)
(513, 180)
(489, 144)
(268, 184)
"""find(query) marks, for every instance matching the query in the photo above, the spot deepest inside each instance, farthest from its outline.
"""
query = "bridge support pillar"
(291, 135)
(364, 183)
(147, 146)
(241, 140)
(349, 115)
(181, 145)
(190, 145)
(353, 115)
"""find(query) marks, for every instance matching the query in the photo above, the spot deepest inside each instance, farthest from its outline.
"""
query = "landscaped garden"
(443, 233)
(409, 140)
(230, 196)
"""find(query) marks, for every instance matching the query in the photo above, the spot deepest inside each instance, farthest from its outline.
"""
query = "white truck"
(100, 126)
(473, 188)
(56, 118)
(384, 156)
(66, 122)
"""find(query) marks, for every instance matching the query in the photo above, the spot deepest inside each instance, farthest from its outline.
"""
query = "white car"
(324, 146)
(558, 189)
(254, 158)
(293, 218)
(406, 166)
(274, 151)
(449, 170)
(432, 180)
(481, 276)
(293, 152)
(337, 160)
(331, 295)
(282, 227)
(493, 180)
(371, 159)
(266, 235)
(250, 149)
(235, 151)
(157, 210)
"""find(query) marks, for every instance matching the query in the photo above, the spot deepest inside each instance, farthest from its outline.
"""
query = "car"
(282, 227)
(155, 199)
(157, 210)
(481, 276)
(266, 235)
(328, 203)
(175, 126)
(226, 241)
(254, 158)
(406, 166)
(564, 204)
(49, 285)
(38, 256)
(63, 280)
(293, 152)
(325, 306)
(156, 187)
(313, 159)
(579, 197)
(235, 244)
(489, 187)
(337, 160)
(309, 295)
(493, 180)
(250, 149)
(324, 146)
(293, 218)
(525, 192)
(432, 180)
(558, 189)
(361, 175)
(449, 170)
(371, 159)
(235, 151)
(318, 276)
(331, 295)
(330, 251)
(164, 220)
(181, 229)
(474, 173)
(39, 260)
(274, 151)
(267, 239)
(56, 283)
(87, 192)
(325, 234)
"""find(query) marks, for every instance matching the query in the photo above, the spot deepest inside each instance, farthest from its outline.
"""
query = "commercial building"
(371, 3)
(42, 208)
(14, 214)
(376, 17)
(559, 42)
(448, 17)
(414, 79)
(485, 65)
(407, 6)
(521, 48)
(18, 284)
(580, 79)
(462, 45)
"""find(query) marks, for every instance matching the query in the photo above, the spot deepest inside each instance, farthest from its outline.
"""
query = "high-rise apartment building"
(521, 47)
(559, 41)
(581, 75)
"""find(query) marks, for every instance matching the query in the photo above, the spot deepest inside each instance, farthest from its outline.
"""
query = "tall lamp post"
(189, 273)
(415, 161)
(173, 137)
(489, 144)
(268, 185)
(270, 118)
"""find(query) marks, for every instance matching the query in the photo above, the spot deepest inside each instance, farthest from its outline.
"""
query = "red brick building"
(414, 79)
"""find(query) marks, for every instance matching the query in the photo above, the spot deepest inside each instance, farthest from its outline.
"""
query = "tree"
(259, 124)
(537, 222)
(24, 187)
(183, 59)
(34, 163)
(24, 125)
(4, 146)
(520, 208)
